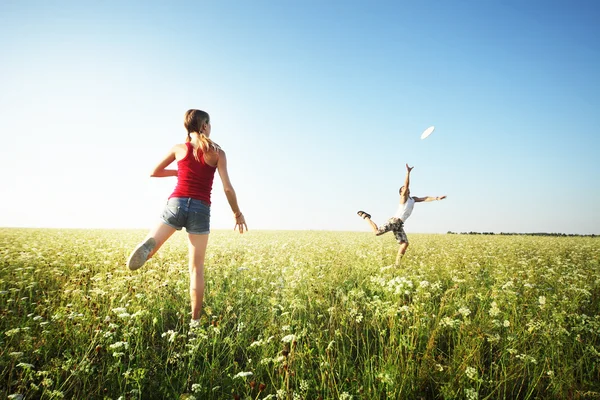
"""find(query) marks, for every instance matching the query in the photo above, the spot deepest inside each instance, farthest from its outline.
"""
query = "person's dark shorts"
(186, 212)
(395, 225)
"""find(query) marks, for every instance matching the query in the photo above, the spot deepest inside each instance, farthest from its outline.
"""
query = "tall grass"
(300, 315)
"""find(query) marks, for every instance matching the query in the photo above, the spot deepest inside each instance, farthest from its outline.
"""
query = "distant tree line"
(522, 234)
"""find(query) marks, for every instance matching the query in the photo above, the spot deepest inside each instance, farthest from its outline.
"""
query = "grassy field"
(300, 315)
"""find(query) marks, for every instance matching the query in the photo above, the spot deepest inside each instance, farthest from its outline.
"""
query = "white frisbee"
(427, 132)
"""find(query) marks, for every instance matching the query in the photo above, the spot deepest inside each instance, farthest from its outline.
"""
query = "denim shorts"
(186, 212)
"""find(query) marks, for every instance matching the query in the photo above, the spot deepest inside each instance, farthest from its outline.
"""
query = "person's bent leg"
(402, 240)
(373, 225)
(401, 251)
(385, 228)
(367, 217)
(153, 241)
(161, 233)
(197, 252)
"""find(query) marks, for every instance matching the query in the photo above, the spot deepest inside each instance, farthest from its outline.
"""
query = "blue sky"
(318, 105)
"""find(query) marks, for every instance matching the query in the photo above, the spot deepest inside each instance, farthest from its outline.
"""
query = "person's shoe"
(364, 215)
(140, 254)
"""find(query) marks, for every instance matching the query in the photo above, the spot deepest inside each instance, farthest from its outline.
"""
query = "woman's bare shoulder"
(179, 150)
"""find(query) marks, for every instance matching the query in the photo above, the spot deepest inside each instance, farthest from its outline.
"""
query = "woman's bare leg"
(145, 250)
(197, 252)
(161, 233)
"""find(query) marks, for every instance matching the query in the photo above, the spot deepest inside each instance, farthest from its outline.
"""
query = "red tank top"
(194, 178)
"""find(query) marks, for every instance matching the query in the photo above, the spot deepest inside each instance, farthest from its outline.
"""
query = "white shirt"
(404, 210)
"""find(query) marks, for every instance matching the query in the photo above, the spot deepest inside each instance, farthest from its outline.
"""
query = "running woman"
(396, 223)
(189, 204)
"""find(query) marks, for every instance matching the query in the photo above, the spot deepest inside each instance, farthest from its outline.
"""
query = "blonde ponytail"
(205, 145)
(193, 121)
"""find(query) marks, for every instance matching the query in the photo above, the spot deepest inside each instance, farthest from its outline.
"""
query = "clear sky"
(318, 104)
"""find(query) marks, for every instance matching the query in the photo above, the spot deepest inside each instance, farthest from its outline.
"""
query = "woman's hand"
(240, 222)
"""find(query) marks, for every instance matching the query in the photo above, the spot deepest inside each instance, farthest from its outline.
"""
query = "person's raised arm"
(240, 221)
(428, 198)
(407, 179)
(404, 194)
(160, 170)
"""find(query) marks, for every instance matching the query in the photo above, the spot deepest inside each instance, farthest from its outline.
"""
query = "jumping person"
(396, 223)
(189, 204)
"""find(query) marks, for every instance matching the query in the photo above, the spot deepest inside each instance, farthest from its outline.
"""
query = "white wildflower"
(471, 394)
(495, 338)
(494, 310)
(542, 301)
(471, 373)
(118, 345)
(303, 386)
(288, 338)
(170, 334)
(243, 374)
(526, 358)
(464, 311)
(507, 285)
(449, 322)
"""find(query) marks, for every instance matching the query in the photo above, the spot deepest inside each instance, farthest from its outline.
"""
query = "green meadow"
(300, 315)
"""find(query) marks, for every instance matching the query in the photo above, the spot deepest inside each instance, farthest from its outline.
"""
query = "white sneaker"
(140, 254)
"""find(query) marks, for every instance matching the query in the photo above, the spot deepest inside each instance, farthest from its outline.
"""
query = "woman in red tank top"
(189, 204)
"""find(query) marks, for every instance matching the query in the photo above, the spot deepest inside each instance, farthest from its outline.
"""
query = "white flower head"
(471, 394)
(288, 338)
(471, 373)
(243, 374)
(494, 310)
(542, 301)
(464, 311)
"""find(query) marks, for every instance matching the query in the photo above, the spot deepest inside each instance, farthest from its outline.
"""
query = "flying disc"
(427, 132)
